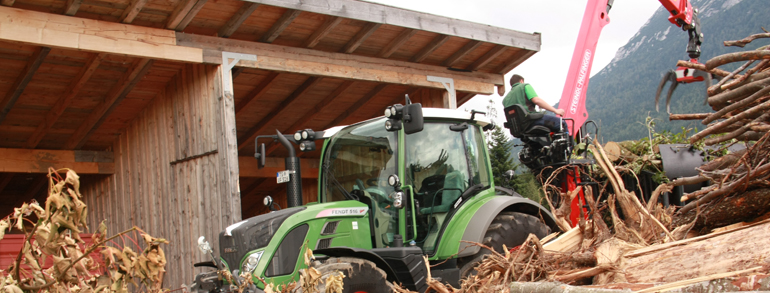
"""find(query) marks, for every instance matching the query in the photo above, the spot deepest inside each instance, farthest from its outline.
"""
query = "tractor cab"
(411, 191)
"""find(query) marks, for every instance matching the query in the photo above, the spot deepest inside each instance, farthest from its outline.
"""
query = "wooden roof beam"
(353, 108)
(339, 65)
(58, 109)
(397, 43)
(467, 48)
(432, 46)
(237, 19)
(319, 107)
(72, 7)
(360, 37)
(184, 13)
(132, 11)
(464, 98)
(279, 26)
(487, 57)
(111, 101)
(377, 13)
(73, 33)
(21, 82)
(38, 161)
(275, 112)
(258, 91)
(322, 31)
(515, 62)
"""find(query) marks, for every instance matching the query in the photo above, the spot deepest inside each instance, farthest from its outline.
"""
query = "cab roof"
(427, 113)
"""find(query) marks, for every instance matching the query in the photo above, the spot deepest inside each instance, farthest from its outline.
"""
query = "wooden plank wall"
(172, 172)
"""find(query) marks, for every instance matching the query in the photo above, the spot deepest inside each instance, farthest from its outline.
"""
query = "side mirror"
(413, 119)
(260, 155)
(204, 245)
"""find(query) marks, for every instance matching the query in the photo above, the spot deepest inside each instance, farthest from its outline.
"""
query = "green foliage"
(502, 159)
(527, 185)
(499, 155)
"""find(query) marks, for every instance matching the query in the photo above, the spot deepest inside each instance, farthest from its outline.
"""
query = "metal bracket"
(449, 85)
(227, 78)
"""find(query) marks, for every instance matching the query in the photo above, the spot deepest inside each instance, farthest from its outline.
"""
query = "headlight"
(398, 199)
(251, 262)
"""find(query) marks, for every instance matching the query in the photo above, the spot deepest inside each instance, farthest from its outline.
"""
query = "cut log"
(740, 207)
(569, 241)
(736, 250)
(617, 151)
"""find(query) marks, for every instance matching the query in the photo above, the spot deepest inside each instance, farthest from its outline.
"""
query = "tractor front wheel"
(360, 275)
(509, 228)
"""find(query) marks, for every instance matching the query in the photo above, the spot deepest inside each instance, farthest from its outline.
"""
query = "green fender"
(482, 218)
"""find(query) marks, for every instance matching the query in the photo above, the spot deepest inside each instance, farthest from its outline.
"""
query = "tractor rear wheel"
(509, 228)
(360, 275)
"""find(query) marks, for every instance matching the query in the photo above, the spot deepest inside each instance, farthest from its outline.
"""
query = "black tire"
(509, 228)
(360, 275)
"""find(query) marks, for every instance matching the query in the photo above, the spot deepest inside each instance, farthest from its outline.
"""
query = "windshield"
(357, 163)
(441, 164)
(359, 158)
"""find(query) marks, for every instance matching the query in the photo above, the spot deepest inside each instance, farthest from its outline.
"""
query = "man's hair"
(516, 79)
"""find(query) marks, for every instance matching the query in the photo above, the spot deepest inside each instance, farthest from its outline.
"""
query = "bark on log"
(698, 116)
(743, 42)
(740, 207)
(740, 104)
(688, 180)
(735, 57)
(723, 162)
(750, 136)
(732, 84)
(736, 133)
(759, 76)
(718, 101)
(732, 251)
(718, 126)
(702, 67)
(732, 187)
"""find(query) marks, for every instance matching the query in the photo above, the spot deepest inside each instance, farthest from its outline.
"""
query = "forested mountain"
(622, 94)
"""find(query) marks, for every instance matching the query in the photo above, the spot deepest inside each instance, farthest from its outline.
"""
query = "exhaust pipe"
(294, 188)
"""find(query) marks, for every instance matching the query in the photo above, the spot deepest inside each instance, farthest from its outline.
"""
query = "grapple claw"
(706, 78)
(668, 76)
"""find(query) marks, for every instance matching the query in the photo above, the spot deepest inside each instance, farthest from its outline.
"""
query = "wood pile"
(720, 233)
(739, 189)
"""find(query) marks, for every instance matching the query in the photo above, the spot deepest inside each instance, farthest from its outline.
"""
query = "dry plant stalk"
(54, 234)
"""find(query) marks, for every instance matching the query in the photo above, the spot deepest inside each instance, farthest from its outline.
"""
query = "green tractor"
(391, 190)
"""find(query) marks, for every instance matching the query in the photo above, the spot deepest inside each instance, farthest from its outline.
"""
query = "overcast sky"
(558, 21)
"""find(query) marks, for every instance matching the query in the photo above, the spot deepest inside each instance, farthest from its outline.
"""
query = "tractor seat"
(442, 201)
(519, 121)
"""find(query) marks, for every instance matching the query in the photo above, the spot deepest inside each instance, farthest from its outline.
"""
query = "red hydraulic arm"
(595, 18)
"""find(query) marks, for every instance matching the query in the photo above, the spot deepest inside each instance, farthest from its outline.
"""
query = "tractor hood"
(251, 234)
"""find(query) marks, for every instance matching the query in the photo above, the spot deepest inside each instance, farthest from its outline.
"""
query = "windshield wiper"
(473, 190)
(337, 184)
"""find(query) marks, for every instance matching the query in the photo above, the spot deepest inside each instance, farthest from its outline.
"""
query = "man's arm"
(543, 105)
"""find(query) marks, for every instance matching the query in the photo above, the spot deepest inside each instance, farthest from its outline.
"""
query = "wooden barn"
(156, 103)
